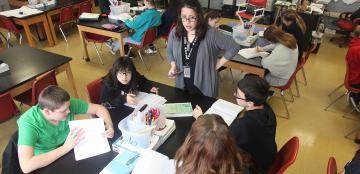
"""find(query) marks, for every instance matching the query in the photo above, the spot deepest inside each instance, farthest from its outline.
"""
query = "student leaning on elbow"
(44, 133)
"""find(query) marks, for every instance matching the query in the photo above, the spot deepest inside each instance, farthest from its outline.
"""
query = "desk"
(247, 65)
(55, 9)
(68, 165)
(28, 63)
(35, 19)
(96, 28)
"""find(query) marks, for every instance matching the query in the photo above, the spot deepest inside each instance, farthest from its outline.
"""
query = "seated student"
(213, 18)
(147, 19)
(353, 166)
(294, 25)
(353, 63)
(122, 83)
(282, 61)
(208, 149)
(255, 131)
(44, 134)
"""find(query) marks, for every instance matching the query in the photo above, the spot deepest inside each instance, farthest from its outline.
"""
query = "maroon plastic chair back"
(149, 38)
(85, 7)
(331, 167)
(91, 37)
(285, 157)
(93, 91)
(8, 24)
(8, 107)
(66, 14)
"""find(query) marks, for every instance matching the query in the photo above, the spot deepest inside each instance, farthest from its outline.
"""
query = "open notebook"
(228, 111)
(249, 53)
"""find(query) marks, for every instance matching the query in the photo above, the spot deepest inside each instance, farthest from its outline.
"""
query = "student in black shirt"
(255, 131)
(294, 25)
(122, 83)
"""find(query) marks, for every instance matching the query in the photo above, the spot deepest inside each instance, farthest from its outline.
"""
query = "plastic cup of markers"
(134, 133)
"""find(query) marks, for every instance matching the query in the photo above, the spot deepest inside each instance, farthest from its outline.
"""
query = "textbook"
(228, 111)
(123, 163)
(178, 109)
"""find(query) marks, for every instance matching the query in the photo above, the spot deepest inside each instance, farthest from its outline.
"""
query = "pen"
(131, 160)
(143, 108)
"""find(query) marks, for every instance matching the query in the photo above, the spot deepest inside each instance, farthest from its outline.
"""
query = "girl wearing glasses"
(255, 131)
(193, 50)
(122, 83)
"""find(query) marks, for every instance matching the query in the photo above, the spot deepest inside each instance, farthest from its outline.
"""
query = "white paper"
(21, 12)
(154, 162)
(122, 17)
(228, 111)
(93, 142)
(44, 3)
(249, 53)
(147, 98)
(89, 16)
(142, 8)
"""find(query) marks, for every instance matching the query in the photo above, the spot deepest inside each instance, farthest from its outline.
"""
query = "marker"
(143, 108)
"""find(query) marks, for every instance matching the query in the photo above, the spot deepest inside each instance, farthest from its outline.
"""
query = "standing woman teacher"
(193, 50)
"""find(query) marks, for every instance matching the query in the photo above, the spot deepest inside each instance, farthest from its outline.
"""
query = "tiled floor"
(321, 132)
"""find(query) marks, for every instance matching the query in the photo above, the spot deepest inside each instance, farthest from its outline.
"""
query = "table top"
(67, 163)
(59, 4)
(26, 64)
(103, 20)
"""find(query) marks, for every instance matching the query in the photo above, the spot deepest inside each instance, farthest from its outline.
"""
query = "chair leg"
(337, 88)
(349, 112)
(63, 34)
(159, 52)
(291, 95)
(232, 76)
(128, 53)
(98, 54)
(285, 105)
(20, 39)
(8, 38)
(142, 60)
(297, 88)
(352, 132)
(303, 73)
(336, 100)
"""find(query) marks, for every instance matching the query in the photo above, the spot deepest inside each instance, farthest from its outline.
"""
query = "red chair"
(148, 38)
(30, 97)
(66, 16)
(282, 89)
(10, 26)
(285, 157)
(93, 91)
(165, 37)
(346, 25)
(95, 38)
(252, 10)
(84, 7)
(331, 167)
(8, 107)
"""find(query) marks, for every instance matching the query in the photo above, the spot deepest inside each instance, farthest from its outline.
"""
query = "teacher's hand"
(173, 72)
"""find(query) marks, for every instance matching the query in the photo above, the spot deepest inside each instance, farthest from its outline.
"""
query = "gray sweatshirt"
(281, 63)
(205, 75)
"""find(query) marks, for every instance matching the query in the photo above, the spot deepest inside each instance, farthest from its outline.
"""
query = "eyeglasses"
(237, 97)
(190, 19)
(126, 73)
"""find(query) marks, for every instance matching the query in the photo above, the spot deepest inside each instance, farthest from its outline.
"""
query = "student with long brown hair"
(282, 61)
(294, 25)
(209, 148)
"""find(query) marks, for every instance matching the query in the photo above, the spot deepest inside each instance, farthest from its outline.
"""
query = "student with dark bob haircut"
(193, 49)
(255, 131)
(123, 83)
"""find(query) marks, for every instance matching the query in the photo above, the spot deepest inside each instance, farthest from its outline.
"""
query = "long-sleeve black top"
(114, 98)
(295, 30)
(255, 133)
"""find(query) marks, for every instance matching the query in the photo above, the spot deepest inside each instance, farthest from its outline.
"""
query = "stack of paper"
(93, 142)
(178, 109)
(249, 53)
(22, 12)
(154, 162)
(142, 8)
(228, 111)
(89, 17)
(166, 132)
(123, 163)
(147, 98)
(122, 17)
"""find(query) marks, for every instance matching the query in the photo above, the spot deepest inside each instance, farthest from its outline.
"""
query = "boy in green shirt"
(44, 133)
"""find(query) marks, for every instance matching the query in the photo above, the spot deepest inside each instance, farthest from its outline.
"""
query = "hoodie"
(255, 133)
(353, 61)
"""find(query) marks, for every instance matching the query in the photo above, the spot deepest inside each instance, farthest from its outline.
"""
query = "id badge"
(187, 71)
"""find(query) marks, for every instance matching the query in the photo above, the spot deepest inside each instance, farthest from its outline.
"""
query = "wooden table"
(252, 66)
(96, 28)
(26, 22)
(28, 63)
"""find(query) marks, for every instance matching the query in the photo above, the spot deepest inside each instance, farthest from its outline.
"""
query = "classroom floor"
(321, 132)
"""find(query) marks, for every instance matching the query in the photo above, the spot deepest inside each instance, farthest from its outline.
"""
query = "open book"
(249, 53)
(228, 111)
(147, 98)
